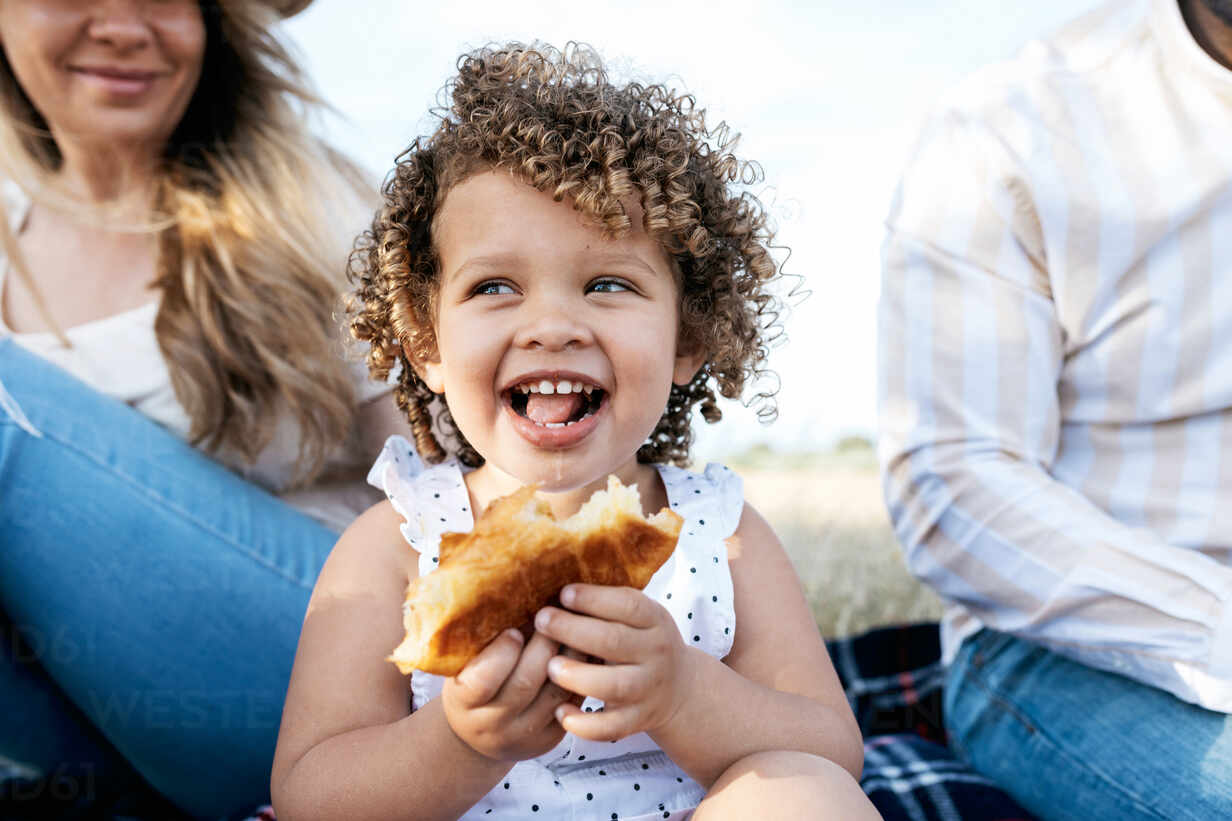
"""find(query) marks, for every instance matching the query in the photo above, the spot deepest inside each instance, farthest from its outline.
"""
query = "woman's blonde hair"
(251, 256)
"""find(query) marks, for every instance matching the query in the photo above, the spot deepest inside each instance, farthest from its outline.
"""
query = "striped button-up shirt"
(1056, 352)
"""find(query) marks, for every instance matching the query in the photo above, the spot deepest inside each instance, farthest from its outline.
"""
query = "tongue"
(554, 407)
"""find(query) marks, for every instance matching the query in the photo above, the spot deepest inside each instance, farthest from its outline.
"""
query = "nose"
(553, 324)
(120, 24)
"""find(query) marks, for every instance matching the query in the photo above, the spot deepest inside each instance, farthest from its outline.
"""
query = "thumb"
(482, 677)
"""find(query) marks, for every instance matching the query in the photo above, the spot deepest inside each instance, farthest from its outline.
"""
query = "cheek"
(31, 51)
(469, 358)
(649, 357)
(185, 38)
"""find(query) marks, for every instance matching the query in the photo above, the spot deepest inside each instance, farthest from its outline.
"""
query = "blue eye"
(493, 288)
(607, 286)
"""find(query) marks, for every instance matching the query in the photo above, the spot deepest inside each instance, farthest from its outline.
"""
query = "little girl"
(564, 264)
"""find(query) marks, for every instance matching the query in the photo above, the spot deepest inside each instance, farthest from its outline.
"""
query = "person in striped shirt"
(1056, 410)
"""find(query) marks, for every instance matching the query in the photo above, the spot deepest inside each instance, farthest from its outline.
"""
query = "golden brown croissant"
(516, 560)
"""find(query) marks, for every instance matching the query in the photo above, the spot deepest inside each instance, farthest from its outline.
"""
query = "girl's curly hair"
(556, 121)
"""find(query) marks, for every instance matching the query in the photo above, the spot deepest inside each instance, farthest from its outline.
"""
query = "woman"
(170, 362)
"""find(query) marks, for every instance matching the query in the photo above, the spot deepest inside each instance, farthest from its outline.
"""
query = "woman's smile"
(120, 82)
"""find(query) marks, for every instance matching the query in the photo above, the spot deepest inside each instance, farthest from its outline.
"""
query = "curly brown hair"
(557, 122)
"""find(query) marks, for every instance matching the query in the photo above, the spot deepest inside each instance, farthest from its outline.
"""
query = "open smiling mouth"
(555, 404)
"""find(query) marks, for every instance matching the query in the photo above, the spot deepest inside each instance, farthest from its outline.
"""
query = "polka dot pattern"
(628, 778)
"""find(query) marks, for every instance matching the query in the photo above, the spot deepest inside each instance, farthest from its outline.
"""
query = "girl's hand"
(645, 678)
(502, 704)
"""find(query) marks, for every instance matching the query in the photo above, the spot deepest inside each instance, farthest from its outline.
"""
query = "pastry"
(516, 560)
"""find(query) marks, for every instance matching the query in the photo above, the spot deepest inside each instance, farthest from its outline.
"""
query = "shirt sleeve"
(970, 355)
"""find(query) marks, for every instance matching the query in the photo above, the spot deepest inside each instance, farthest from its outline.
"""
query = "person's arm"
(776, 689)
(349, 747)
(971, 353)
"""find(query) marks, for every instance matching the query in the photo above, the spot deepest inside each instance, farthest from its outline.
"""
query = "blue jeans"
(1070, 742)
(158, 598)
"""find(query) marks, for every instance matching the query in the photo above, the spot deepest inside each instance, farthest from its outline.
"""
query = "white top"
(579, 779)
(119, 357)
(1056, 352)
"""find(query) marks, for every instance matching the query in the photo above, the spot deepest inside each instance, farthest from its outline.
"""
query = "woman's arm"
(349, 746)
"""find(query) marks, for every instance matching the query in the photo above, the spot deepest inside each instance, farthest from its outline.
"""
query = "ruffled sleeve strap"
(713, 499)
(695, 584)
(728, 495)
(430, 499)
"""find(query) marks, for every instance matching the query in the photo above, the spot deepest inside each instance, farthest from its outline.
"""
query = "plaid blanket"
(893, 680)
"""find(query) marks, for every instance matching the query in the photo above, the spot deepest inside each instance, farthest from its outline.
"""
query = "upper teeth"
(559, 386)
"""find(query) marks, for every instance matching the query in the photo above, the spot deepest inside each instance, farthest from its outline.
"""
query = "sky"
(828, 98)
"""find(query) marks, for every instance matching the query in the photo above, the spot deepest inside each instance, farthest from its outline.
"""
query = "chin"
(118, 126)
(558, 478)
(554, 472)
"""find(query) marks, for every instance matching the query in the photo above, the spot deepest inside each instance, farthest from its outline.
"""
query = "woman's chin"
(106, 126)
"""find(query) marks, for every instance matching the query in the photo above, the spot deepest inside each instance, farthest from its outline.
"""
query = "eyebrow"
(486, 262)
(612, 258)
(507, 262)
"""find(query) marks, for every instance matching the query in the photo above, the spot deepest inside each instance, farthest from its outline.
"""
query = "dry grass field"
(828, 512)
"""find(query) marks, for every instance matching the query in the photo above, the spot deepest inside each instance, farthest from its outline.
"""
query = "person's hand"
(643, 678)
(501, 703)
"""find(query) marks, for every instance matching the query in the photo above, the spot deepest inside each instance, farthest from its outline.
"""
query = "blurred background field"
(827, 509)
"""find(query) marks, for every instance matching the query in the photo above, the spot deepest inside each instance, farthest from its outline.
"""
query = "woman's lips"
(117, 82)
(554, 438)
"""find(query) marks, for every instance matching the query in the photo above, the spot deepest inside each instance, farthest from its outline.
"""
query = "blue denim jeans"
(158, 597)
(1070, 742)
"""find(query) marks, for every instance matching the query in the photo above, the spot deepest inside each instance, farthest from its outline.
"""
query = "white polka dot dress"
(631, 779)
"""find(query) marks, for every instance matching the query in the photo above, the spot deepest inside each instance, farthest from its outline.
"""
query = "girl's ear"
(687, 366)
(429, 369)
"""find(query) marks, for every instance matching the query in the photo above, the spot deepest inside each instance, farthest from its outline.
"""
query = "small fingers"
(542, 711)
(610, 683)
(481, 679)
(623, 605)
(607, 640)
(529, 673)
(612, 724)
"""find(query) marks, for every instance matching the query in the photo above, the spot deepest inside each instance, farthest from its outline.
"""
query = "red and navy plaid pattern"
(907, 777)
(893, 679)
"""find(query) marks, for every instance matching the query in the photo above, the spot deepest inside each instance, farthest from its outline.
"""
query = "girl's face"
(117, 71)
(556, 348)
